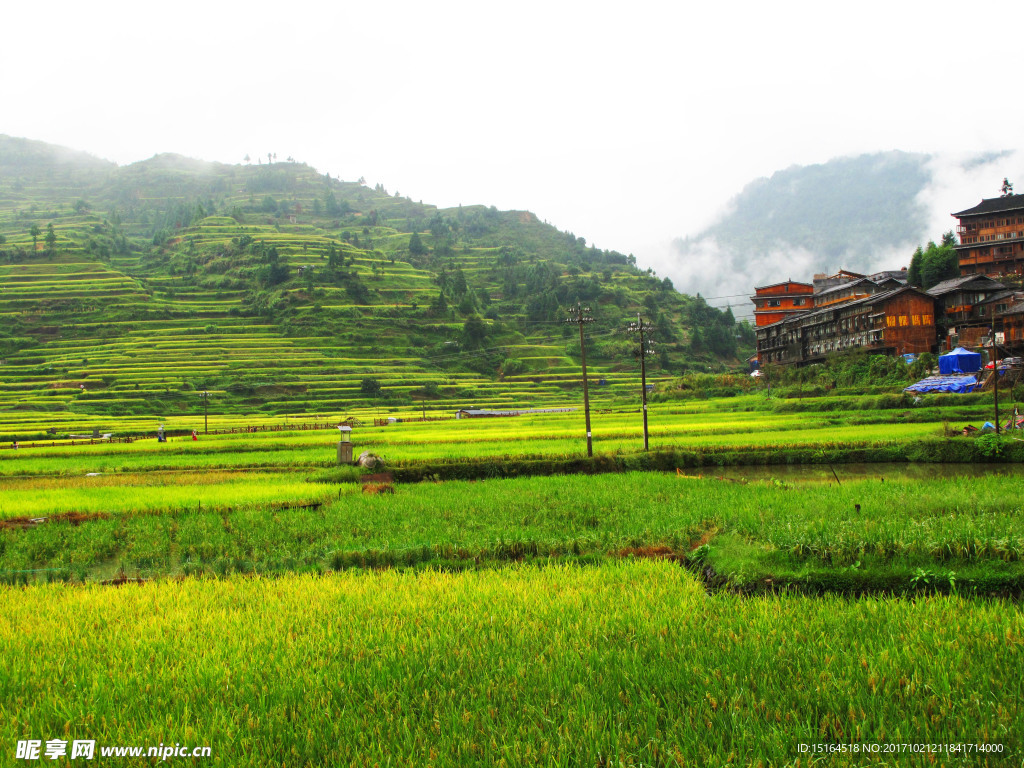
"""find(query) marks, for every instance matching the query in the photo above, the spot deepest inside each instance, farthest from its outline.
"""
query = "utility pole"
(644, 349)
(995, 376)
(206, 412)
(580, 315)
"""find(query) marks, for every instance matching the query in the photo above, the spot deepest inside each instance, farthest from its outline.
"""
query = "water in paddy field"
(821, 472)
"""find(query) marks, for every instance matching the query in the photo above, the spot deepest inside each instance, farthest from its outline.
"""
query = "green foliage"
(370, 387)
(914, 275)
(176, 246)
(990, 445)
(937, 262)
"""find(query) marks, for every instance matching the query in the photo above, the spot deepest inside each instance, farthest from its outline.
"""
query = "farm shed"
(960, 360)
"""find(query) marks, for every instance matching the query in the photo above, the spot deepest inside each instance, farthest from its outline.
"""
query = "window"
(774, 303)
(798, 302)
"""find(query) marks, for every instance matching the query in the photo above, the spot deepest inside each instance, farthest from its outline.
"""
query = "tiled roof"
(784, 282)
(844, 286)
(997, 297)
(994, 205)
(946, 286)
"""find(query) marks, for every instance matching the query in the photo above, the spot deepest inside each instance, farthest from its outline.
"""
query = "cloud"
(961, 180)
(725, 274)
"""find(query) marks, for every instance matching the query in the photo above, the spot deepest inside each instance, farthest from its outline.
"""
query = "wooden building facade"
(895, 322)
(992, 237)
(1013, 328)
(778, 301)
(961, 306)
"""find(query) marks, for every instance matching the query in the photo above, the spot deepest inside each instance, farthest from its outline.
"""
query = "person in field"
(160, 436)
(195, 435)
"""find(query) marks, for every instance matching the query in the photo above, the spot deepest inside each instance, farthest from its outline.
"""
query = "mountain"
(124, 290)
(859, 213)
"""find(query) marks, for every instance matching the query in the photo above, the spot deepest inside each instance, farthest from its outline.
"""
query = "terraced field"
(244, 592)
(280, 291)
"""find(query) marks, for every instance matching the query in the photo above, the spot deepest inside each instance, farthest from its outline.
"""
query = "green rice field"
(625, 664)
(288, 614)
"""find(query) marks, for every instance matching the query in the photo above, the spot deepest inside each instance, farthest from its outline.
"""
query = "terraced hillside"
(125, 291)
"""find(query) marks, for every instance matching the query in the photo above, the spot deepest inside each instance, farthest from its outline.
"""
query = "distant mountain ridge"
(126, 289)
(859, 213)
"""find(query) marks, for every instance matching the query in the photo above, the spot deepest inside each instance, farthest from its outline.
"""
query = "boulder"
(369, 460)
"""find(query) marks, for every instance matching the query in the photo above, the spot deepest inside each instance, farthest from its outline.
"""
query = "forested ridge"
(175, 274)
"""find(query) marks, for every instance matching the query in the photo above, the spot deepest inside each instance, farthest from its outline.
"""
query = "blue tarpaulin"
(960, 360)
(959, 384)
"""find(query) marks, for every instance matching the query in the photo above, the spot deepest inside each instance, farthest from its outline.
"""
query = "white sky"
(627, 123)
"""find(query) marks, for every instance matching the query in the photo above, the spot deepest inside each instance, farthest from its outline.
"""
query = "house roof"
(784, 282)
(844, 286)
(892, 282)
(1016, 309)
(876, 298)
(896, 274)
(999, 296)
(517, 412)
(994, 205)
(948, 286)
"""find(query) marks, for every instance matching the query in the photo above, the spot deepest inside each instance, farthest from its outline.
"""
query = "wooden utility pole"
(644, 349)
(206, 411)
(995, 376)
(580, 315)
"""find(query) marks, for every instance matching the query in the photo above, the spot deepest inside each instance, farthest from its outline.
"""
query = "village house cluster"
(799, 322)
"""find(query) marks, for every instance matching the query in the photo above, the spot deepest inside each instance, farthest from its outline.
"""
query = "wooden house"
(892, 322)
(778, 301)
(992, 237)
(959, 302)
(1013, 328)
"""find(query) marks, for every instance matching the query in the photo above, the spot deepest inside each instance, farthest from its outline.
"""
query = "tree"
(51, 240)
(914, 273)
(474, 332)
(939, 263)
(34, 233)
(416, 247)
(458, 285)
(370, 388)
(331, 204)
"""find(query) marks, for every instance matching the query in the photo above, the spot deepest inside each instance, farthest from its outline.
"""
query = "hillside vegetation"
(124, 290)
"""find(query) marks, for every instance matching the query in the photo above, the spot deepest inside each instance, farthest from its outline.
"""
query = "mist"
(726, 273)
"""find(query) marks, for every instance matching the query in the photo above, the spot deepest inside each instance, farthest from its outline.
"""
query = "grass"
(751, 534)
(630, 664)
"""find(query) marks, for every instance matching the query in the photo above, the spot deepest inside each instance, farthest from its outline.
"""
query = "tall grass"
(622, 665)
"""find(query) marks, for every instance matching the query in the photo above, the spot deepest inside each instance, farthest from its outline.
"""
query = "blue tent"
(960, 360)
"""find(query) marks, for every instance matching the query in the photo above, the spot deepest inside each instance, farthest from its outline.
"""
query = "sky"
(629, 124)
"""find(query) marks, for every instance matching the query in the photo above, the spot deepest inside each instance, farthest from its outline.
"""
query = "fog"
(726, 275)
(627, 125)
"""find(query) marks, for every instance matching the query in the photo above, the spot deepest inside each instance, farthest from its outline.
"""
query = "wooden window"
(890, 321)
(903, 320)
(915, 320)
